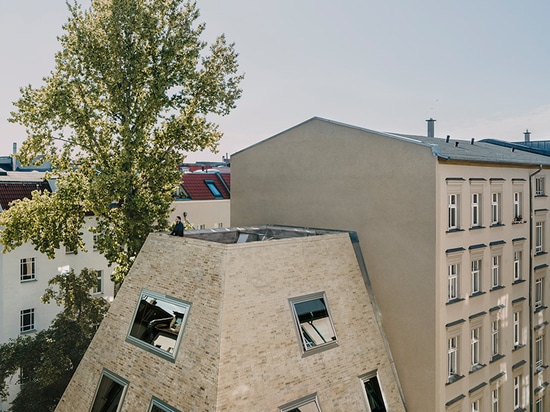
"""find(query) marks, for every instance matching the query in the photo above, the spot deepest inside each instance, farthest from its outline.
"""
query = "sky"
(480, 68)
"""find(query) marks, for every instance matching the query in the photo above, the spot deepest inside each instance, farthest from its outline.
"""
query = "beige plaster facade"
(240, 346)
(395, 192)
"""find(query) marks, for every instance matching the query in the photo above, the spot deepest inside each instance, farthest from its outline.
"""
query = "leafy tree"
(134, 88)
(46, 361)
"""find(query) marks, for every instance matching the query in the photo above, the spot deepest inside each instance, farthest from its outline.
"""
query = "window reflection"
(158, 321)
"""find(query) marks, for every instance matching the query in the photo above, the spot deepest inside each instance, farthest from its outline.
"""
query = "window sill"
(477, 367)
(29, 280)
(454, 230)
(496, 357)
(450, 302)
(477, 227)
(453, 379)
(475, 294)
(320, 348)
(26, 332)
(519, 222)
(539, 309)
(497, 225)
(496, 288)
(517, 282)
(540, 369)
(541, 195)
(518, 347)
(541, 253)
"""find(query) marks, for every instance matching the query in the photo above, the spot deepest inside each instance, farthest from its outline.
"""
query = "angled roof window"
(214, 189)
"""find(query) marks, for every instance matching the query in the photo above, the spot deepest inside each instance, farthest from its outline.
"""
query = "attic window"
(213, 188)
(158, 323)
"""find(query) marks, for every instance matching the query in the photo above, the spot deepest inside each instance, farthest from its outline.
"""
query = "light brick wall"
(240, 350)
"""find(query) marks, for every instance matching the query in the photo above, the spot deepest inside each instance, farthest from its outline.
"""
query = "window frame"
(517, 395)
(475, 348)
(211, 185)
(476, 209)
(117, 380)
(309, 399)
(453, 354)
(366, 378)
(98, 289)
(539, 186)
(476, 278)
(495, 271)
(25, 327)
(302, 339)
(517, 205)
(24, 275)
(517, 259)
(539, 236)
(539, 352)
(516, 318)
(539, 292)
(495, 208)
(495, 399)
(156, 402)
(170, 301)
(453, 284)
(495, 338)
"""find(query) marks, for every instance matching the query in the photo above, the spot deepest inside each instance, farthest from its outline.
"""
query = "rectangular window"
(539, 186)
(476, 276)
(313, 321)
(110, 393)
(26, 323)
(213, 189)
(495, 208)
(158, 406)
(305, 404)
(539, 405)
(158, 323)
(98, 288)
(539, 352)
(539, 237)
(539, 288)
(95, 240)
(27, 269)
(517, 329)
(517, 207)
(495, 271)
(517, 265)
(494, 400)
(475, 347)
(475, 406)
(453, 211)
(517, 391)
(476, 209)
(453, 282)
(452, 357)
(495, 328)
(373, 393)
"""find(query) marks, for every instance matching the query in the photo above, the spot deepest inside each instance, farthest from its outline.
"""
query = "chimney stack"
(431, 125)
(527, 135)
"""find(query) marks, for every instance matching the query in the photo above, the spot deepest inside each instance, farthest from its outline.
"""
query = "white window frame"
(27, 269)
(539, 405)
(495, 337)
(517, 328)
(495, 208)
(495, 271)
(476, 209)
(453, 291)
(454, 209)
(495, 396)
(475, 406)
(476, 275)
(517, 264)
(24, 326)
(539, 351)
(517, 206)
(452, 357)
(539, 292)
(539, 186)
(517, 391)
(475, 344)
(539, 236)
(98, 289)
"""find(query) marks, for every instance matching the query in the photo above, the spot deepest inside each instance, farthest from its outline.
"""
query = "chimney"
(13, 159)
(431, 124)
(527, 135)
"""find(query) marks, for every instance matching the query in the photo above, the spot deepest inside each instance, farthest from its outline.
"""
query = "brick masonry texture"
(240, 349)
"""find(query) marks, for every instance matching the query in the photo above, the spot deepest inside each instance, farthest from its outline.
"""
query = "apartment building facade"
(25, 272)
(260, 318)
(456, 242)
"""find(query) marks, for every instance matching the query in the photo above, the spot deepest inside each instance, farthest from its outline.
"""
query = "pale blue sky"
(481, 69)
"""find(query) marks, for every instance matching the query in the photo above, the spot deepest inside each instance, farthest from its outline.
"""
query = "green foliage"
(133, 89)
(45, 362)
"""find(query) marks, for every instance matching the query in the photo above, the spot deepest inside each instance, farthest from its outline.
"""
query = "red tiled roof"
(13, 191)
(195, 184)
